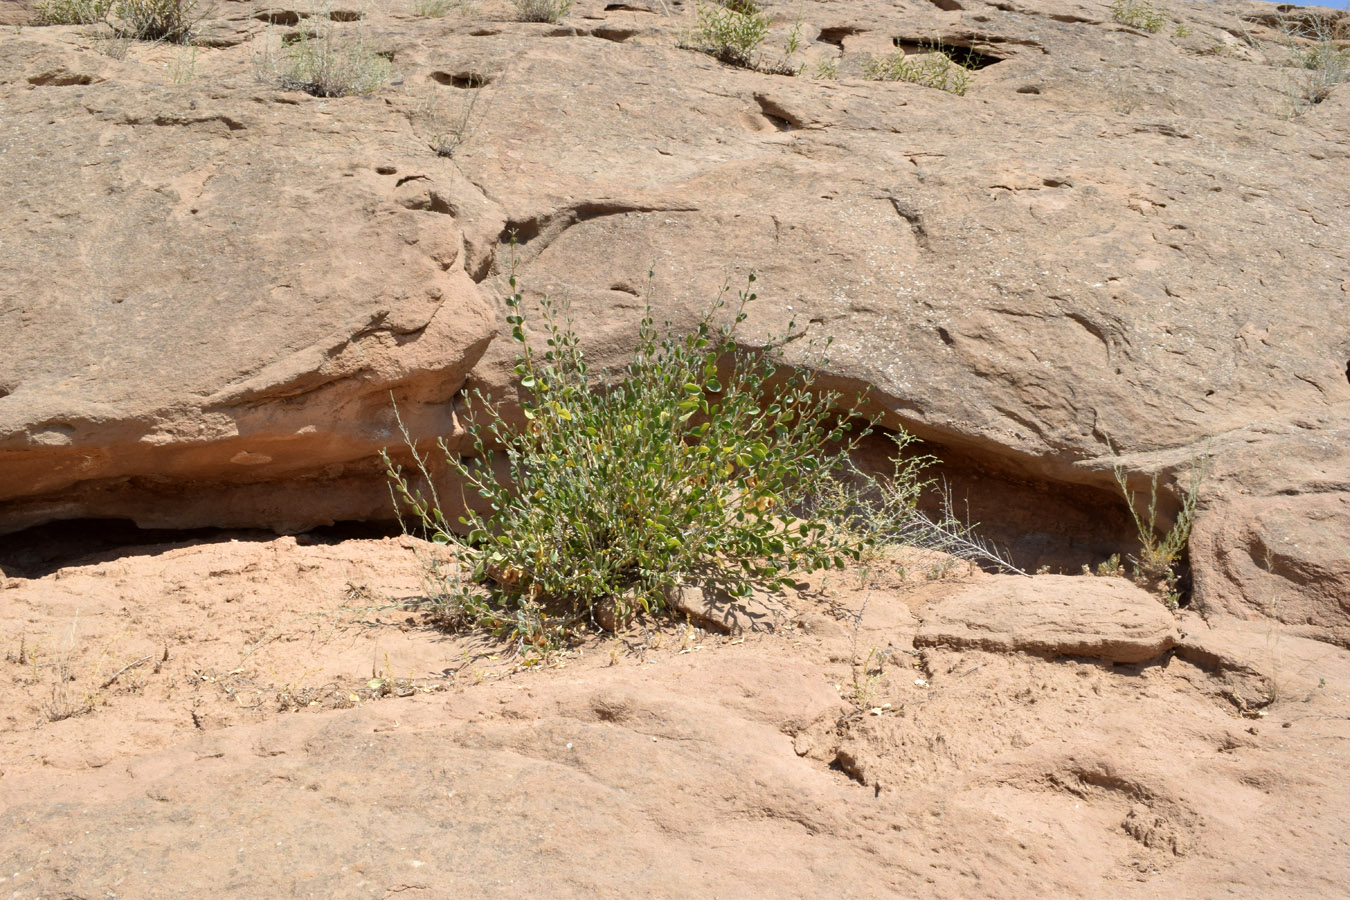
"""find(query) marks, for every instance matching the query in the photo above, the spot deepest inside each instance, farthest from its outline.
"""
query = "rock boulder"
(1098, 618)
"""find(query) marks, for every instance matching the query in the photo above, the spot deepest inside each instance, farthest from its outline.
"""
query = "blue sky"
(1334, 4)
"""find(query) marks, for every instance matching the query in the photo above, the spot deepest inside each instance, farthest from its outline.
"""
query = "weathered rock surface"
(15, 12)
(724, 614)
(219, 289)
(1054, 615)
(1289, 561)
(210, 289)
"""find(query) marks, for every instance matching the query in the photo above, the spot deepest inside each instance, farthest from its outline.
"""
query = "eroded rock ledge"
(213, 287)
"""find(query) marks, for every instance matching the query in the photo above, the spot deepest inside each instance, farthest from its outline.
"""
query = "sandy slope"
(260, 759)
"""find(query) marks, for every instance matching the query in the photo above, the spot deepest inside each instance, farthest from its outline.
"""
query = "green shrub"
(1322, 58)
(332, 64)
(72, 12)
(731, 33)
(144, 20)
(158, 20)
(934, 69)
(542, 10)
(434, 9)
(705, 463)
(1159, 559)
(1139, 14)
(827, 69)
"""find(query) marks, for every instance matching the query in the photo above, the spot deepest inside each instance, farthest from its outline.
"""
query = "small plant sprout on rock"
(731, 32)
(1139, 14)
(329, 63)
(542, 10)
(1158, 564)
(159, 20)
(1319, 54)
(71, 12)
(173, 21)
(934, 68)
(699, 465)
(446, 125)
(433, 9)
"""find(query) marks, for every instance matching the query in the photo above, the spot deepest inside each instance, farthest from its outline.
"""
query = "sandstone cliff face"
(211, 288)
(212, 297)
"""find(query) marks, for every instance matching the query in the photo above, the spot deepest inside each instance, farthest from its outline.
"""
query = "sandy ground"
(255, 718)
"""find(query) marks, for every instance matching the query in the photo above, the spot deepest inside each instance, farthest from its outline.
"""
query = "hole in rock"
(947, 5)
(345, 15)
(520, 232)
(837, 34)
(1347, 372)
(42, 549)
(465, 80)
(615, 33)
(5, 392)
(627, 7)
(431, 201)
(279, 17)
(777, 116)
(958, 52)
(845, 766)
(350, 531)
(1029, 89)
(1035, 520)
(61, 79)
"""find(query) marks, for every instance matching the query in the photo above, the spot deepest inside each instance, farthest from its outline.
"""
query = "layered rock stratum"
(1117, 245)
